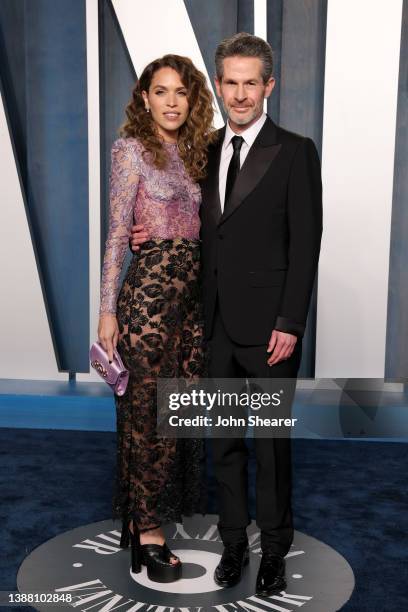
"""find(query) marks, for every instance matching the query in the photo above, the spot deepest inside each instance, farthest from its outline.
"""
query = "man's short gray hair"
(245, 45)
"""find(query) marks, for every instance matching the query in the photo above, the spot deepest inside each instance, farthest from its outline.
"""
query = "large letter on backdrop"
(360, 105)
(26, 343)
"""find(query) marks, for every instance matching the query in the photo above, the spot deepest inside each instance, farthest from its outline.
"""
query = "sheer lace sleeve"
(123, 186)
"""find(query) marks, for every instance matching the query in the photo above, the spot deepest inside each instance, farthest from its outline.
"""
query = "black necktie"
(233, 168)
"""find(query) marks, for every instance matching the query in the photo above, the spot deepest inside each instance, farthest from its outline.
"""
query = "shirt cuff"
(289, 327)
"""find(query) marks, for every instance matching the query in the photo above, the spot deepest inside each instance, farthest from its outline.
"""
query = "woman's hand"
(108, 333)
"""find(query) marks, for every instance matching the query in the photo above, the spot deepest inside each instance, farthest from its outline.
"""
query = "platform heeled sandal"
(124, 537)
(156, 557)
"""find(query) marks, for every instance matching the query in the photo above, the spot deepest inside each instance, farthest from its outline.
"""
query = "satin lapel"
(259, 158)
(213, 192)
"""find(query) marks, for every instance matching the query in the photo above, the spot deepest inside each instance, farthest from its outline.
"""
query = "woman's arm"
(123, 185)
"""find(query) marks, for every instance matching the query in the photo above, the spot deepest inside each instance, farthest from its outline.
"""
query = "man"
(261, 229)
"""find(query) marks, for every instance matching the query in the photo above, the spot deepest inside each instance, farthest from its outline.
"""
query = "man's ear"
(270, 84)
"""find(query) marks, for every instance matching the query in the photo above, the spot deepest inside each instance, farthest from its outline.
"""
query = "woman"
(154, 320)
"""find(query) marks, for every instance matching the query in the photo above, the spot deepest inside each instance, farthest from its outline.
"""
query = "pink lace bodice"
(165, 201)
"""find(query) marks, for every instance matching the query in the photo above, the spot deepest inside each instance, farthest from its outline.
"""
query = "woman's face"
(167, 101)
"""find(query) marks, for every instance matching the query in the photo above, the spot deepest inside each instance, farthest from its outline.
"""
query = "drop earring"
(147, 110)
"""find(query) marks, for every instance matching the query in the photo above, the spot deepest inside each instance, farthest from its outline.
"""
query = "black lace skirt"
(161, 335)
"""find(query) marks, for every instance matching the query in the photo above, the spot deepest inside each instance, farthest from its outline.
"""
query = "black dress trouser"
(273, 455)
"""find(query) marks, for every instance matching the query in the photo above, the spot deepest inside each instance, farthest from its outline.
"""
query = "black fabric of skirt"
(160, 335)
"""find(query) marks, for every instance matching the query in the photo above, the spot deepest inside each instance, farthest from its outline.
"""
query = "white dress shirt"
(249, 136)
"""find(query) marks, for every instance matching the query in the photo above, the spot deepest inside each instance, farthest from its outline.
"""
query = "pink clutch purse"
(114, 374)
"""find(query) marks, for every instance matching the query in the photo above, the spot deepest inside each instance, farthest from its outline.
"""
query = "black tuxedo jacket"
(261, 256)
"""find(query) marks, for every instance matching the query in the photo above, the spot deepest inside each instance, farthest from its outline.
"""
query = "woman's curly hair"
(194, 135)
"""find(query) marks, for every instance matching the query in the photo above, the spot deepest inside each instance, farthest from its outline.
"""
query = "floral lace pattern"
(165, 201)
(160, 336)
(160, 324)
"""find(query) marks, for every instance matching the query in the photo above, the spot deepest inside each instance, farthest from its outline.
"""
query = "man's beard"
(256, 111)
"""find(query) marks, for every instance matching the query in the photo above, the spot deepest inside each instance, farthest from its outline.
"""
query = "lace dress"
(160, 330)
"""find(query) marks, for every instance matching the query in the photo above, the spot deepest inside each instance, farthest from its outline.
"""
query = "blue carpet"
(349, 494)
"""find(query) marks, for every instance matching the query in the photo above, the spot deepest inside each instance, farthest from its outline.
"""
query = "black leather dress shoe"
(229, 570)
(271, 575)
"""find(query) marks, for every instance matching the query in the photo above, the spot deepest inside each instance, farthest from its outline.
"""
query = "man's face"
(243, 91)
